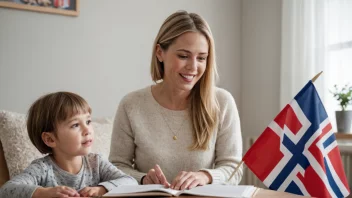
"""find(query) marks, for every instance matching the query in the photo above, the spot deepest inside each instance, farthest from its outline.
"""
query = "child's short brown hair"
(49, 110)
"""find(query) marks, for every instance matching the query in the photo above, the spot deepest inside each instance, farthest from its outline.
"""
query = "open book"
(160, 190)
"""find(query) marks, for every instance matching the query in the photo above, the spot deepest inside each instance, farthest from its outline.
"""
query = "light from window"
(339, 51)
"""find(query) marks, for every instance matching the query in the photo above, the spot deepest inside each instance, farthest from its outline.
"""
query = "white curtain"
(316, 36)
(303, 50)
(339, 51)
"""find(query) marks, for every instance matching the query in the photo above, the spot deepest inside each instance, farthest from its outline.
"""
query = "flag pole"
(236, 170)
(316, 76)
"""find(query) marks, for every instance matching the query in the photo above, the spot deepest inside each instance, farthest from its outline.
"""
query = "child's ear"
(49, 139)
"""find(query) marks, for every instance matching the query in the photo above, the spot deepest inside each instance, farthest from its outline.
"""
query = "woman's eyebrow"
(187, 51)
(183, 50)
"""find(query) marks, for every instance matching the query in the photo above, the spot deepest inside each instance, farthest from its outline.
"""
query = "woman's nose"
(192, 64)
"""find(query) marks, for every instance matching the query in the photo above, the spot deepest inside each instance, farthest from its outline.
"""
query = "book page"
(140, 190)
(214, 190)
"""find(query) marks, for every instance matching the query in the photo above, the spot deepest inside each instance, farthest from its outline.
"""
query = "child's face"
(74, 136)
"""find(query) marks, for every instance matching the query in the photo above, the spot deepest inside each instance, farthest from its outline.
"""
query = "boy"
(59, 124)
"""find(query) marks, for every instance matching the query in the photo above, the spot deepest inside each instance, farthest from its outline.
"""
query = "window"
(338, 31)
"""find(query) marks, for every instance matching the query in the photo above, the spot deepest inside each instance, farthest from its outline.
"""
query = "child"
(60, 124)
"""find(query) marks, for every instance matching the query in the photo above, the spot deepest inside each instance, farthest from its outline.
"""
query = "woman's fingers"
(156, 176)
(146, 180)
(182, 179)
(173, 183)
(152, 176)
(187, 182)
(193, 184)
(159, 173)
(177, 179)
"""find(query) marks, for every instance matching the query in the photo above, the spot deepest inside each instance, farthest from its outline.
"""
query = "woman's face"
(185, 60)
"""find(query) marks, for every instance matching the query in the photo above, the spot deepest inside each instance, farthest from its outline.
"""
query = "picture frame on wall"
(64, 7)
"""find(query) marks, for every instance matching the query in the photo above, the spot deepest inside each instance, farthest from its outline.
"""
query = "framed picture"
(65, 7)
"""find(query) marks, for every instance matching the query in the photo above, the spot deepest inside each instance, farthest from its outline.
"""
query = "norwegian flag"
(297, 152)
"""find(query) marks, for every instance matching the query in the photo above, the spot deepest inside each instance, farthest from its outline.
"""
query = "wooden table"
(264, 193)
(343, 136)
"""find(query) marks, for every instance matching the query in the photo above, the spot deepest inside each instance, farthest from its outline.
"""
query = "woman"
(183, 131)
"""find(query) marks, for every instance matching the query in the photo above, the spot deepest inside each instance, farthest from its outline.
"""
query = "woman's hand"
(188, 180)
(155, 176)
(58, 191)
(93, 191)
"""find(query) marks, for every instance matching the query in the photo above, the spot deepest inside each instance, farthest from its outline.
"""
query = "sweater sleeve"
(25, 183)
(111, 177)
(228, 147)
(122, 149)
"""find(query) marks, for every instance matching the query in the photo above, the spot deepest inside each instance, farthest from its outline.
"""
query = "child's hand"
(58, 191)
(92, 191)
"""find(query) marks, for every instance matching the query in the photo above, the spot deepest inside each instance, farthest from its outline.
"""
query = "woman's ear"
(49, 139)
(159, 53)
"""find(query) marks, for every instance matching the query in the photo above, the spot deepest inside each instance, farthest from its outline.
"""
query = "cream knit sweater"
(143, 136)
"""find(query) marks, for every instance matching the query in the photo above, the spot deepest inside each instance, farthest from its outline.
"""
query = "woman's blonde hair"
(203, 104)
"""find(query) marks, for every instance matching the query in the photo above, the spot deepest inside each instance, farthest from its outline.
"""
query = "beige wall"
(260, 68)
(105, 52)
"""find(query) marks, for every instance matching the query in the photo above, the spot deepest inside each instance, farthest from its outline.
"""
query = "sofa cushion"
(19, 151)
(4, 173)
(102, 135)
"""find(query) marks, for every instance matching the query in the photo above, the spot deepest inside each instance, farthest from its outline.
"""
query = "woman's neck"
(170, 97)
(68, 163)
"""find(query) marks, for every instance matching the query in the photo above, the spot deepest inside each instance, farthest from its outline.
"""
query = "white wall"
(260, 68)
(105, 52)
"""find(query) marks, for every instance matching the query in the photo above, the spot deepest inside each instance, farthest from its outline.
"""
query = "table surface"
(264, 193)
